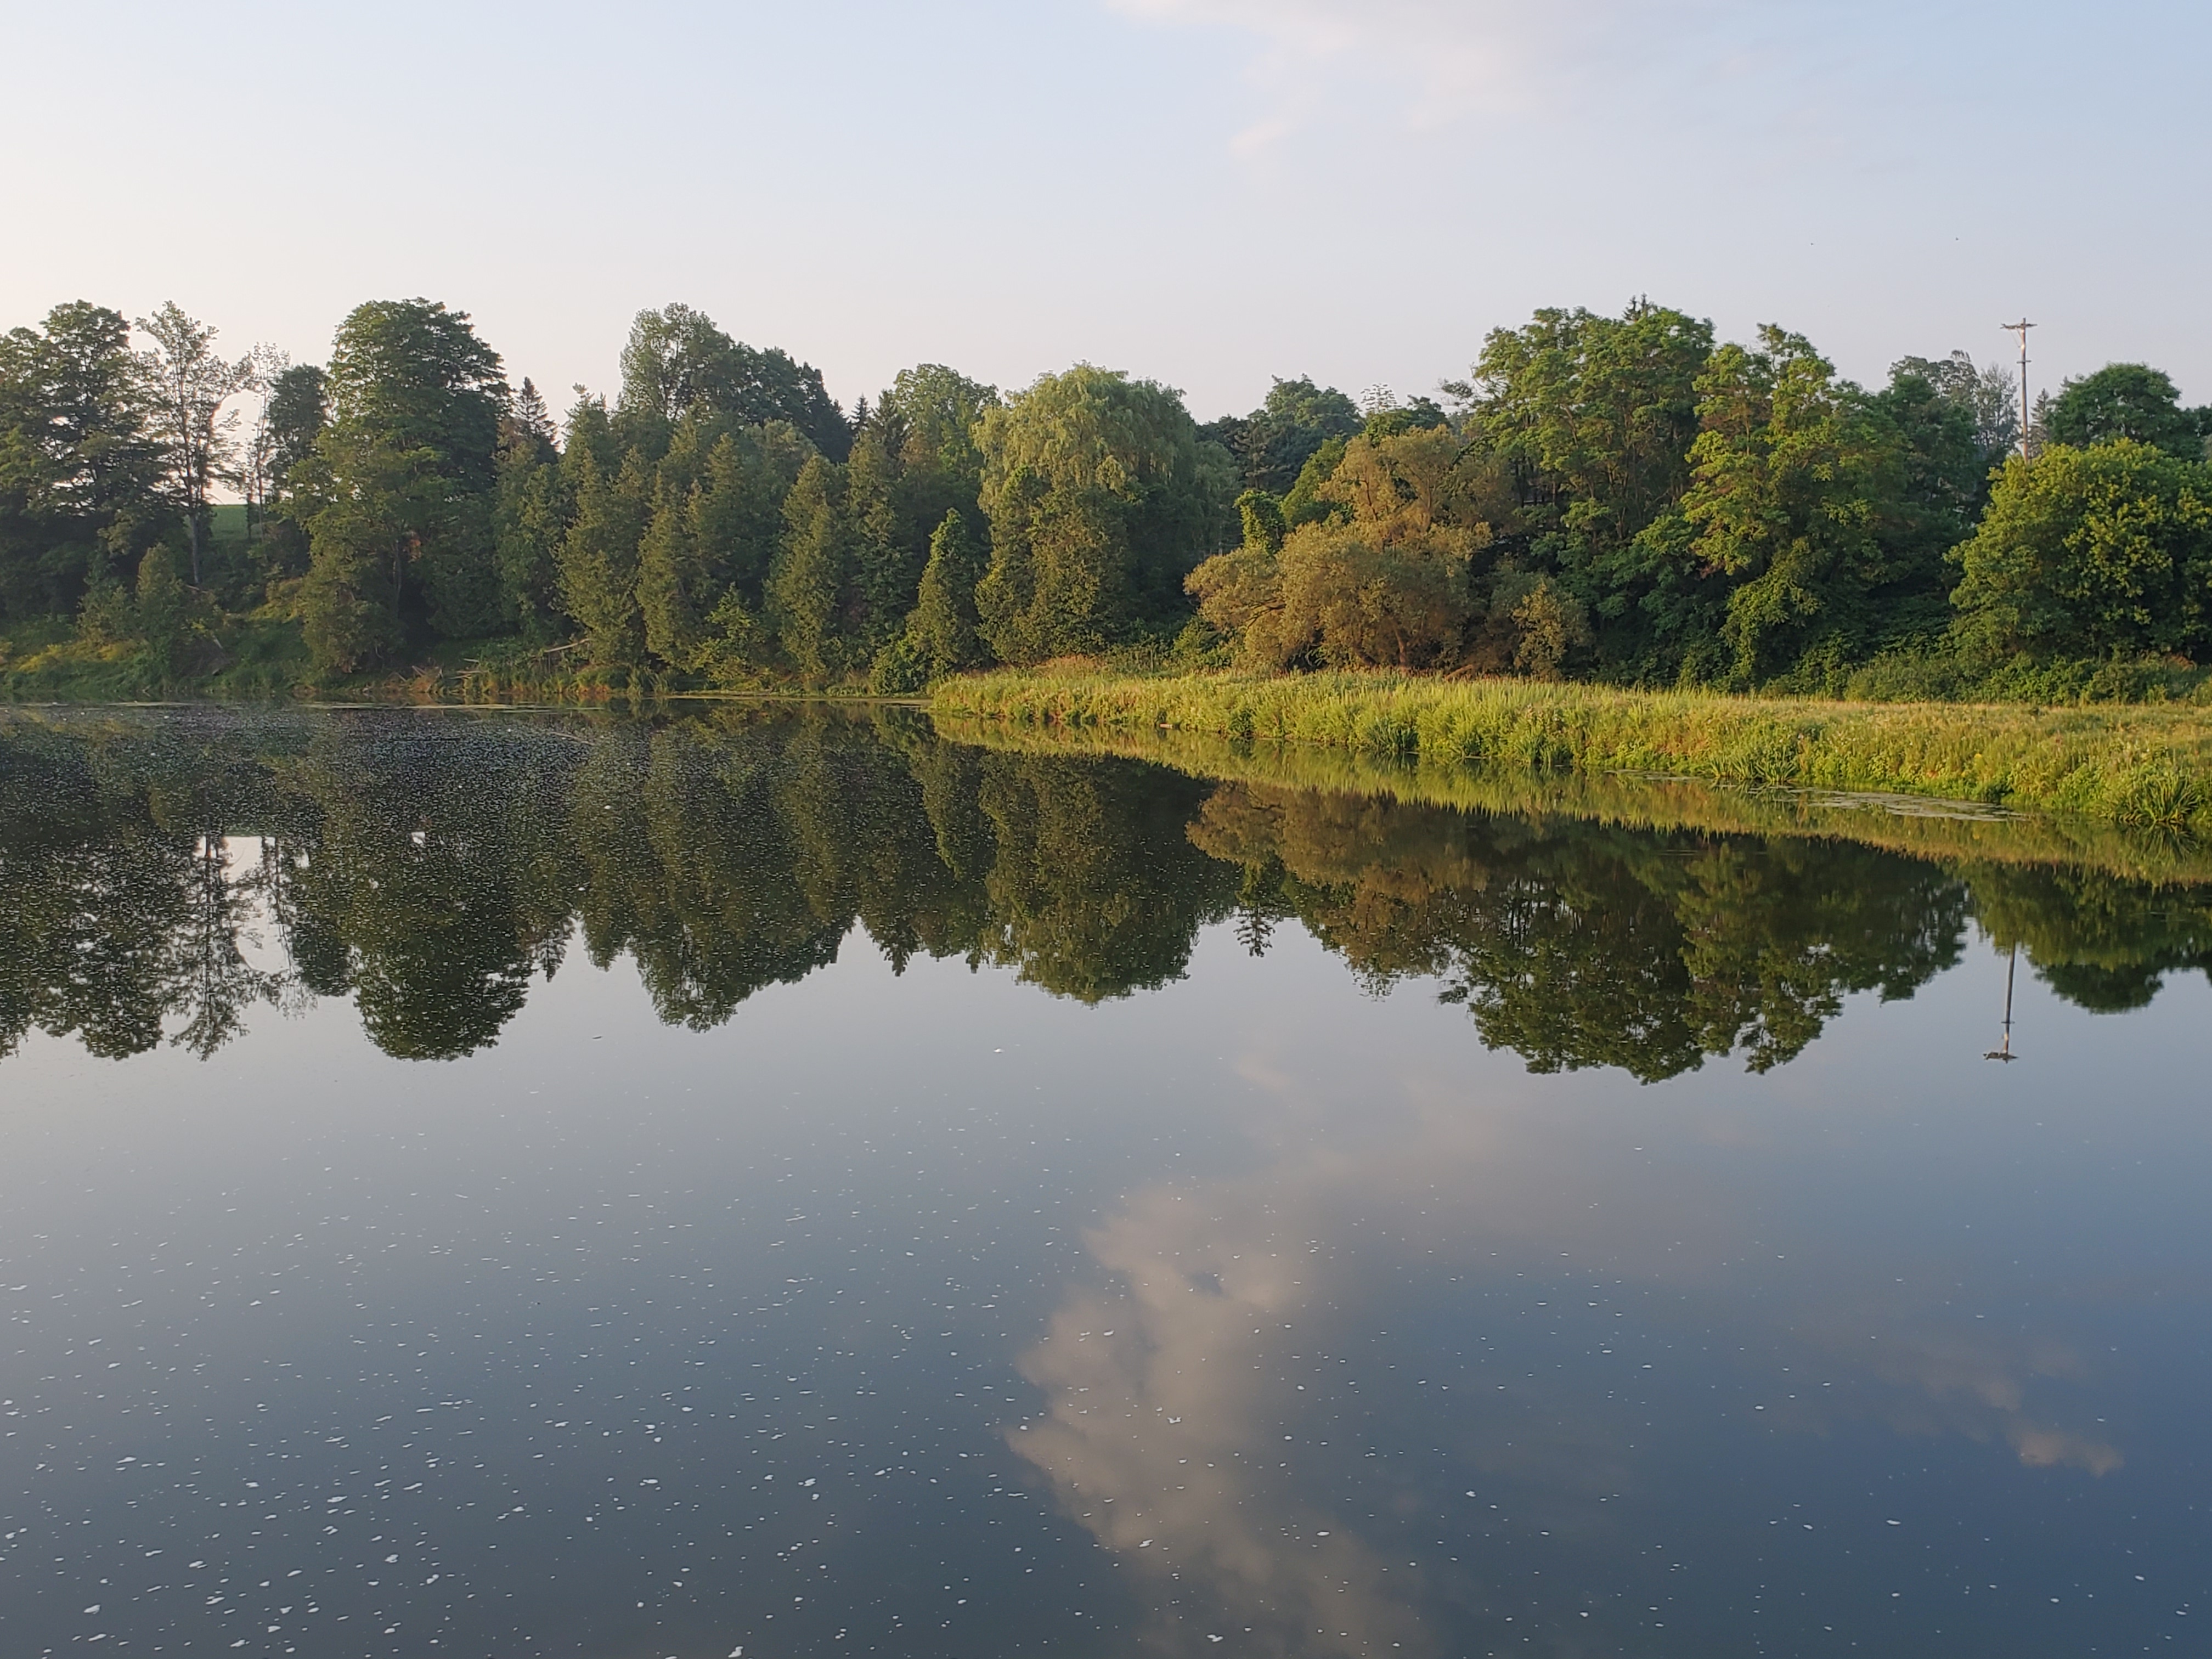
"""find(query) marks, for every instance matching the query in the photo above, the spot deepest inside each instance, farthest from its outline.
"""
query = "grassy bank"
(2144, 766)
(247, 657)
(1957, 835)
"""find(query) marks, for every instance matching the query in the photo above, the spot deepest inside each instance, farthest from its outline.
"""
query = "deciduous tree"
(192, 389)
(2093, 551)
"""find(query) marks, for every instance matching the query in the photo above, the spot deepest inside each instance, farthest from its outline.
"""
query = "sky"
(1206, 192)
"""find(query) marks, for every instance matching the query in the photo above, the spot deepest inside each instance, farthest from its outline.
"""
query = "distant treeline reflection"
(164, 875)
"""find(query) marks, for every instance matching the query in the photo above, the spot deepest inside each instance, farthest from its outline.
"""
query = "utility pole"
(2003, 1050)
(2020, 328)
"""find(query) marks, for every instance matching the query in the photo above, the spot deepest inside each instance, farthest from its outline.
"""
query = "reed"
(2145, 766)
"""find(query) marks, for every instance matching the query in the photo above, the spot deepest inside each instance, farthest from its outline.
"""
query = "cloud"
(1176, 1430)
(2041, 1447)
(1967, 1380)
(1163, 1439)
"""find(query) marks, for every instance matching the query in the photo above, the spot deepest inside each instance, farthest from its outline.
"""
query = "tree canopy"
(1625, 497)
(2127, 400)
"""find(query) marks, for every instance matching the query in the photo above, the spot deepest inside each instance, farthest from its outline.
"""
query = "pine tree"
(529, 421)
(888, 559)
(599, 560)
(941, 630)
(807, 590)
(531, 515)
(670, 580)
(739, 518)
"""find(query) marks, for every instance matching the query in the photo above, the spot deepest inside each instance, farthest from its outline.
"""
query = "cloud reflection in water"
(1227, 1409)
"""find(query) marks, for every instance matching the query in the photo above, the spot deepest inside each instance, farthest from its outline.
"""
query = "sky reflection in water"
(546, 1186)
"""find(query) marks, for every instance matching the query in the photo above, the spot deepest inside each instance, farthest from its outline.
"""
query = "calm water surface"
(788, 1184)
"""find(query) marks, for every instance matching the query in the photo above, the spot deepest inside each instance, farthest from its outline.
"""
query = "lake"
(790, 1181)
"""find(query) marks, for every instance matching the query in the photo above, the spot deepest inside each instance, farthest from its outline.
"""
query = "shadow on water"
(170, 871)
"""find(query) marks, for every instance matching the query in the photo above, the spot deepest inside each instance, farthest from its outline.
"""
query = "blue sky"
(1206, 191)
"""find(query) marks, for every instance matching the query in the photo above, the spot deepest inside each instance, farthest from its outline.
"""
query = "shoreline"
(2139, 766)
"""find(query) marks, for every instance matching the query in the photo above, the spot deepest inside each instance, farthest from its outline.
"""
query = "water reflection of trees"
(1580, 945)
(166, 878)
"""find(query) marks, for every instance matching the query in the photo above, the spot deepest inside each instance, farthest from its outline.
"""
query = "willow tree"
(1101, 499)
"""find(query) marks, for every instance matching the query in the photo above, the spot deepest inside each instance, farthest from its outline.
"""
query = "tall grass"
(1955, 834)
(2144, 765)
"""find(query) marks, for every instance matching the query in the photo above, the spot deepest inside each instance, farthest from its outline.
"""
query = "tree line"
(431, 874)
(1625, 498)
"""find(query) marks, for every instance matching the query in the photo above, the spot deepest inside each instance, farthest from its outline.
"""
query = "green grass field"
(2145, 766)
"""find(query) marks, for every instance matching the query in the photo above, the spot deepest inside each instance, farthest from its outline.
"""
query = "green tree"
(748, 472)
(1593, 418)
(677, 361)
(298, 408)
(410, 454)
(530, 515)
(1262, 517)
(294, 408)
(810, 590)
(1932, 498)
(1988, 395)
(934, 411)
(1793, 477)
(888, 555)
(191, 388)
(349, 602)
(1306, 502)
(1273, 444)
(1101, 499)
(1386, 579)
(78, 467)
(2125, 400)
(1352, 597)
(914, 459)
(2105, 551)
(672, 578)
(598, 555)
(417, 376)
(164, 616)
(942, 633)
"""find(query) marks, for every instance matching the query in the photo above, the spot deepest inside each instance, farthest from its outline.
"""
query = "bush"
(898, 669)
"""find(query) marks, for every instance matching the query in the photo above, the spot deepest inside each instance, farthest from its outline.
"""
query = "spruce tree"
(530, 516)
(739, 517)
(669, 579)
(941, 630)
(807, 590)
(887, 557)
(599, 560)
